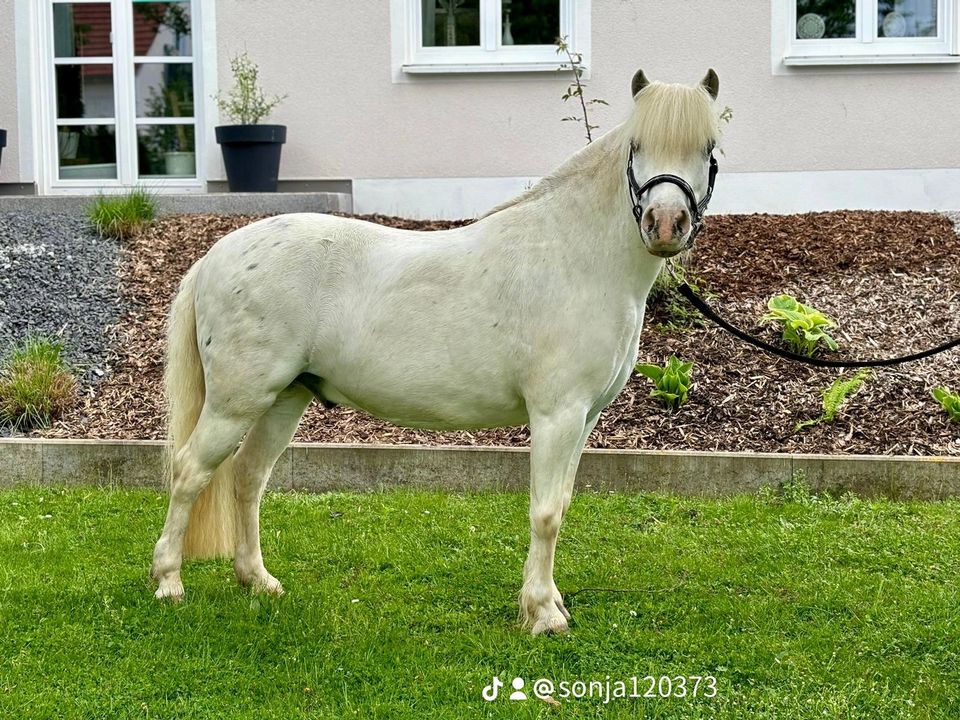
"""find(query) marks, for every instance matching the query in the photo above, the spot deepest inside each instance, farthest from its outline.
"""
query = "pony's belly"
(432, 409)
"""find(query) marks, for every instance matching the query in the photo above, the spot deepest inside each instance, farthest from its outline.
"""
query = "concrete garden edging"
(332, 467)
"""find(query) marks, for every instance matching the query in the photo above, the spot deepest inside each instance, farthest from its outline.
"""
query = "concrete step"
(198, 203)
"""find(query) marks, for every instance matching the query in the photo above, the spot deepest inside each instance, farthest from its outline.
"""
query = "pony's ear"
(638, 83)
(711, 83)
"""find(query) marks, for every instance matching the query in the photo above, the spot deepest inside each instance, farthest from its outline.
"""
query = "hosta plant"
(671, 381)
(948, 401)
(804, 327)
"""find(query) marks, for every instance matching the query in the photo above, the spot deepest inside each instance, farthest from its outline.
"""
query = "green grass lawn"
(403, 605)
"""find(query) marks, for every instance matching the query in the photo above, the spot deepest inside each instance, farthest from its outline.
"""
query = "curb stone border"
(311, 467)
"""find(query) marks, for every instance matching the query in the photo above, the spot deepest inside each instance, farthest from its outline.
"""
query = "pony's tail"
(210, 532)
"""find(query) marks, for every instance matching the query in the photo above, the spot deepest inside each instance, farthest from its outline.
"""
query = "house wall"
(347, 118)
(10, 161)
(800, 139)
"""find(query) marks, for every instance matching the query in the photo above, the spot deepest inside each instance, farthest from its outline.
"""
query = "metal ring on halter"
(697, 209)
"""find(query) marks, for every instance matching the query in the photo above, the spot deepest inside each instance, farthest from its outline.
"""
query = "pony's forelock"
(672, 121)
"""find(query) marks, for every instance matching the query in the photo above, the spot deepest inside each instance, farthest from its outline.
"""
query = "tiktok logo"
(491, 691)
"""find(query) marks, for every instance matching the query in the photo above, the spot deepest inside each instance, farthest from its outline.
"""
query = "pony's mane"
(590, 161)
(670, 121)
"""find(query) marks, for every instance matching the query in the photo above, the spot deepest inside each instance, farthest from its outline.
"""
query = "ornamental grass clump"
(671, 381)
(121, 216)
(804, 327)
(36, 384)
(948, 401)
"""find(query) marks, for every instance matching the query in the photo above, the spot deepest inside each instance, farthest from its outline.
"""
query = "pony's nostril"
(648, 222)
(681, 225)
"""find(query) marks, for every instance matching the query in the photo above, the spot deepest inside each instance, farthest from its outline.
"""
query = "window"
(486, 35)
(822, 32)
(118, 93)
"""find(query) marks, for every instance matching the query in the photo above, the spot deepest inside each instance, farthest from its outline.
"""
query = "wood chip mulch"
(890, 279)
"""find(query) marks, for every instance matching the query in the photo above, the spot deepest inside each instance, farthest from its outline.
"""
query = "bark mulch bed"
(890, 279)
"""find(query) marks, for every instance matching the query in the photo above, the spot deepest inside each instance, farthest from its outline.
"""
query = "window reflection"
(162, 29)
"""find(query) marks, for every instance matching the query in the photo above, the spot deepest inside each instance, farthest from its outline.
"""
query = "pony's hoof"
(261, 582)
(269, 586)
(553, 625)
(170, 591)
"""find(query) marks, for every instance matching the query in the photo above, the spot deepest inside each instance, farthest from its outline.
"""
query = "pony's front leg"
(556, 441)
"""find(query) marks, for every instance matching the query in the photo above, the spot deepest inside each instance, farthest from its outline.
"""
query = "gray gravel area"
(58, 277)
(954, 216)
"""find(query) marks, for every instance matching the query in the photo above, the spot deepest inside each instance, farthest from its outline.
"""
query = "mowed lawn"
(403, 605)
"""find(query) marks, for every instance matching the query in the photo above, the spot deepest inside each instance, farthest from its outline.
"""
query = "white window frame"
(410, 57)
(867, 47)
(125, 119)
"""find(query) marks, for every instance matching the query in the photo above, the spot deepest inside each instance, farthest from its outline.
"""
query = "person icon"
(518, 693)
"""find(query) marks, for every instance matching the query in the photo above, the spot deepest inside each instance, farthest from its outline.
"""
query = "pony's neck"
(586, 201)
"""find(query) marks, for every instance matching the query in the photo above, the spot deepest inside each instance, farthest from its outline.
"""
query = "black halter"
(697, 209)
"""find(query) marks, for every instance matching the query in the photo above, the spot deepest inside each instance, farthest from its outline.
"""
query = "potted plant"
(251, 152)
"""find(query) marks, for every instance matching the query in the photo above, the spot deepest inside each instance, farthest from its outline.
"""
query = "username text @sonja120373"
(608, 689)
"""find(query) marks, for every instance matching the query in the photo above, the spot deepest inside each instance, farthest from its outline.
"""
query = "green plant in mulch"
(36, 384)
(949, 401)
(121, 216)
(671, 381)
(804, 327)
(678, 316)
(834, 397)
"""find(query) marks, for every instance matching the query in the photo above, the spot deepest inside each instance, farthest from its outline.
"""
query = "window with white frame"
(488, 35)
(823, 32)
(117, 93)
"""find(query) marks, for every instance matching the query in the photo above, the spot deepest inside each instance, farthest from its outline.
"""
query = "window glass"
(162, 29)
(81, 30)
(84, 91)
(87, 152)
(906, 18)
(164, 89)
(530, 22)
(166, 150)
(818, 19)
(448, 23)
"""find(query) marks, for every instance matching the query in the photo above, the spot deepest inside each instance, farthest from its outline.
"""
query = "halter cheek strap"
(697, 209)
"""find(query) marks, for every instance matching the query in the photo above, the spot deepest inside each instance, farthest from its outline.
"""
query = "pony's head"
(671, 132)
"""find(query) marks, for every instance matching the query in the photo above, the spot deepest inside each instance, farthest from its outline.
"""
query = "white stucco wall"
(347, 118)
(10, 162)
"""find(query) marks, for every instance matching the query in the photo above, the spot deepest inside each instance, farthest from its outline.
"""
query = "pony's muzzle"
(665, 229)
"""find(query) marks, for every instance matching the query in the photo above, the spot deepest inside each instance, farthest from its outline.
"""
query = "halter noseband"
(697, 209)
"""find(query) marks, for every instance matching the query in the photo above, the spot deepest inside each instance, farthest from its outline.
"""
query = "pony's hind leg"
(214, 438)
(253, 465)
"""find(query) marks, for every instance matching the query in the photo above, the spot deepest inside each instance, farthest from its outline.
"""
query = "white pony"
(530, 315)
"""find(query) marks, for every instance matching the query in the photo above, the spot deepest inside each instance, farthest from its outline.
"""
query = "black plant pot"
(251, 155)
(3, 142)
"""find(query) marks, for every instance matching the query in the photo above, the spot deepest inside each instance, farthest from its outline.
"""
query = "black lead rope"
(697, 209)
(701, 305)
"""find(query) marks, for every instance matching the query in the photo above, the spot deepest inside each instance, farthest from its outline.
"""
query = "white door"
(119, 95)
